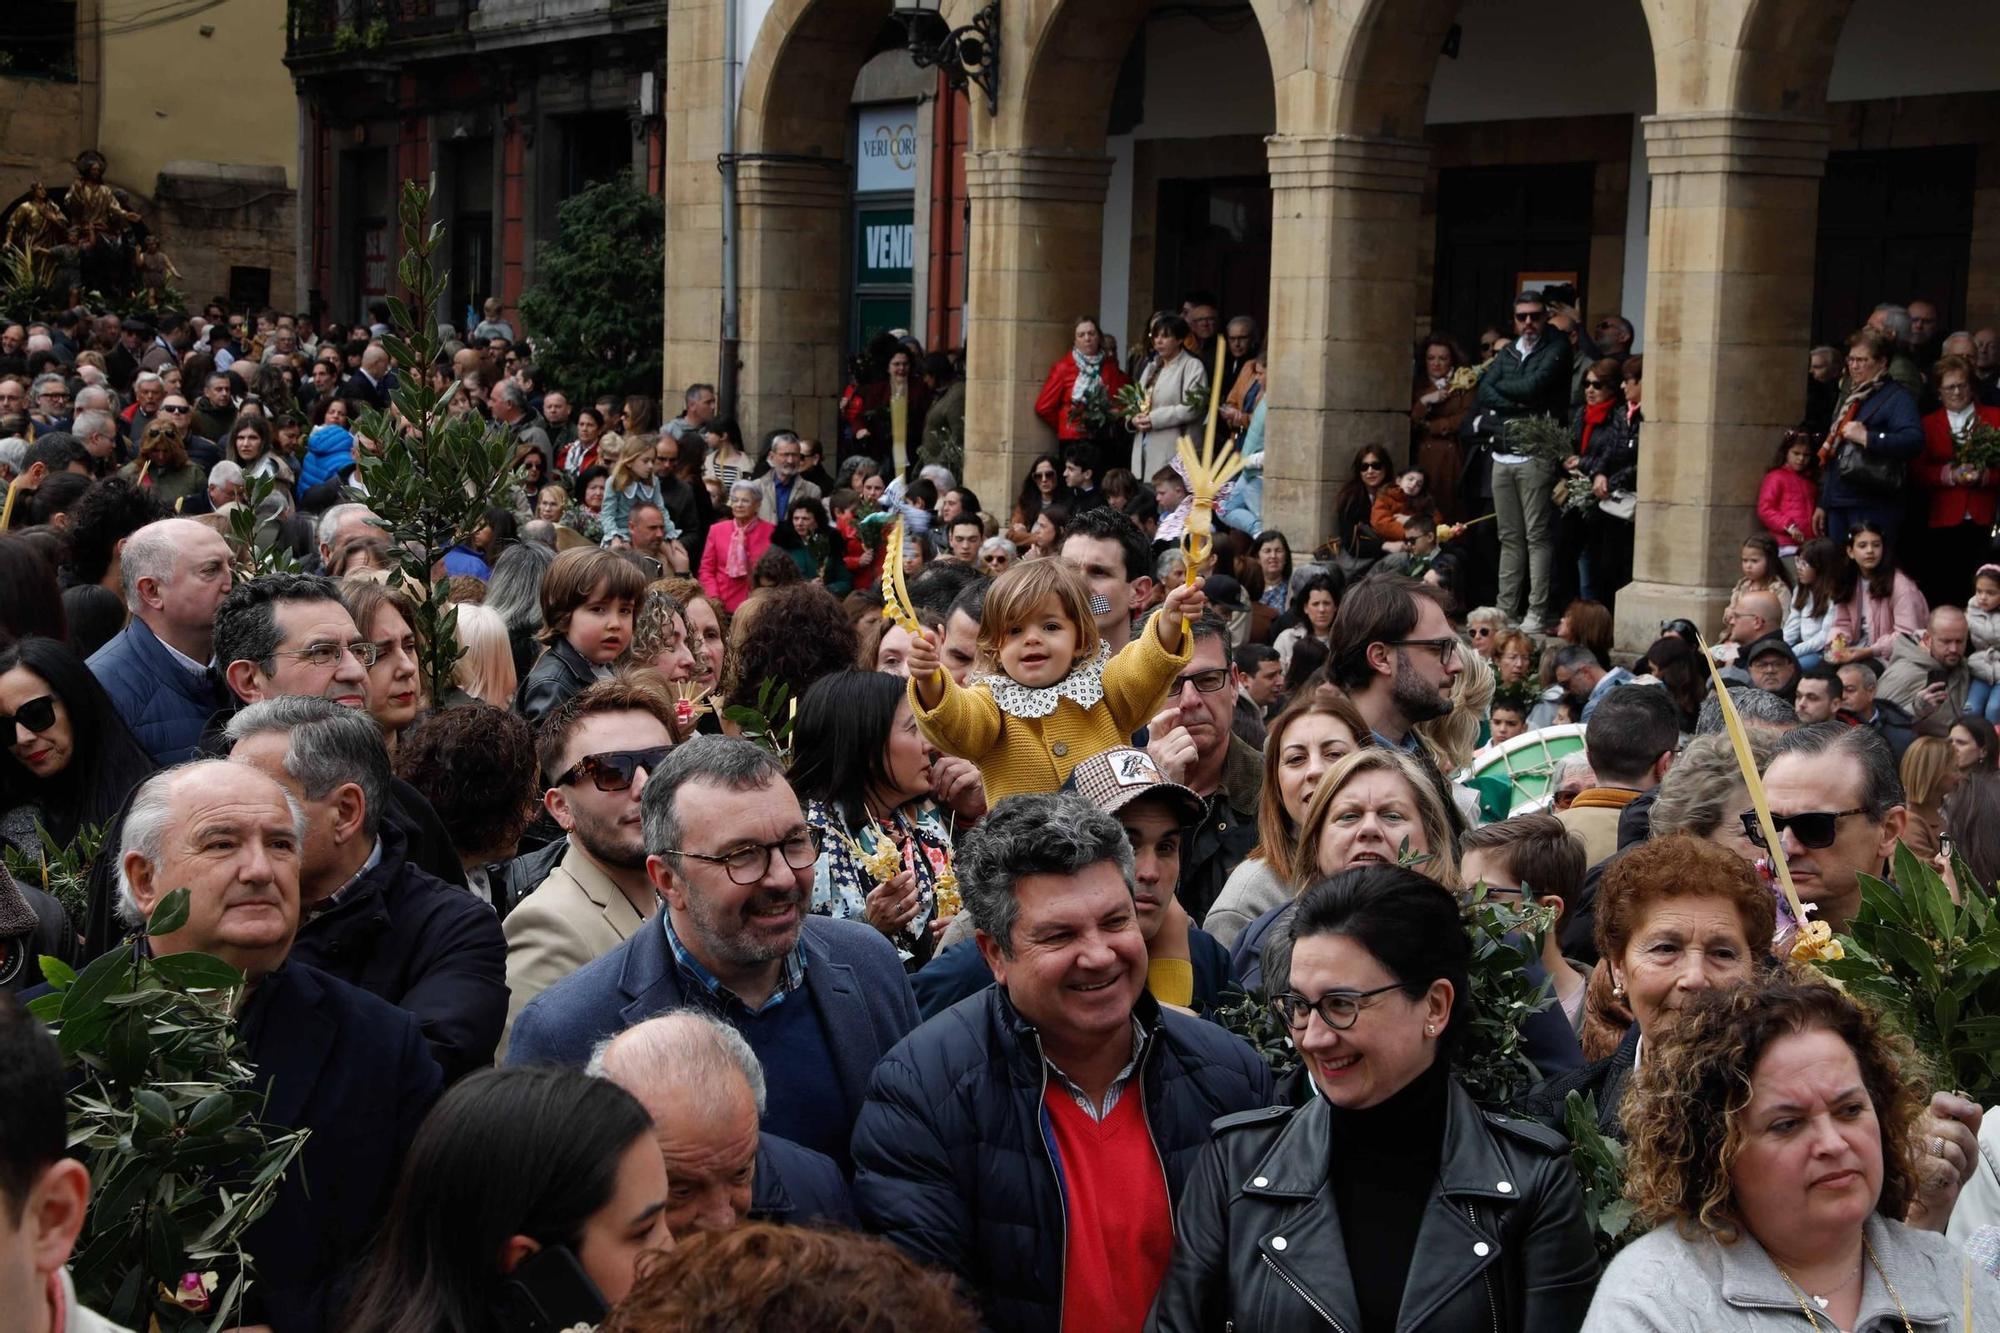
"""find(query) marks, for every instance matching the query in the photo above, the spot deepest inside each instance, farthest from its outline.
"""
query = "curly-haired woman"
(1778, 1149)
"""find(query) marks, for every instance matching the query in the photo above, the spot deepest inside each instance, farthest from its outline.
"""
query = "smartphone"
(547, 1293)
(1937, 676)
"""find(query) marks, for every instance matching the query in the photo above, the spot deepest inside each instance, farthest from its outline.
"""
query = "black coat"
(798, 1187)
(425, 946)
(557, 676)
(356, 1072)
(953, 1162)
(1604, 1080)
(1503, 1244)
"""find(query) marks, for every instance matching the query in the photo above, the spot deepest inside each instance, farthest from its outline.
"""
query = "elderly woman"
(733, 548)
(1703, 793)
(1877, 432)
(162, 469)
(1483, 627)
(863, 771)
(1305, 742)
(1374, 807)
(1675, 916)
(1774, 1145)
(1388, 1200)
(1086, 373)
(997, 555)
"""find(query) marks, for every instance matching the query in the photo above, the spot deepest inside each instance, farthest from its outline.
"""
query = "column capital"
(1737, 141)
(1040, 174)
(792, 181)
(1348, 161)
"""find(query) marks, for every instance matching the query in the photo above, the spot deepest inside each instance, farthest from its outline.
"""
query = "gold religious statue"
(37, 225)
(92, 205)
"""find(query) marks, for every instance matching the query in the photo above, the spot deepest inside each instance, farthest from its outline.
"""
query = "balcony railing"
(338, 27)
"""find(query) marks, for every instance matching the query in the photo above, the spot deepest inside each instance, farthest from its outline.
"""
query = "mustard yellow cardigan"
(1024, 754)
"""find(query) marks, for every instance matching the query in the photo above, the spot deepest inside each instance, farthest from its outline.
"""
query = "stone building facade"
(1369, 139)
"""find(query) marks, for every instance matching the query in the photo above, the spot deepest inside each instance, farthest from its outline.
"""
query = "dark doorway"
(467, 189)
(597, 145)
(1893, 226)
(1215, 235)
(1497, 223)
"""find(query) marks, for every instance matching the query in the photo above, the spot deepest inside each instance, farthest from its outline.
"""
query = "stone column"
(791, 214)
(1728, 320)
(693, 198)
(1034, 252)
(1344, 250)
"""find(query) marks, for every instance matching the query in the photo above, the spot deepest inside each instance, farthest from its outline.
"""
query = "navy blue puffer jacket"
(954, 1162)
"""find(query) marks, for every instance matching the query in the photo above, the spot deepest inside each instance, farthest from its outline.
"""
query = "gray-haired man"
(371, 915)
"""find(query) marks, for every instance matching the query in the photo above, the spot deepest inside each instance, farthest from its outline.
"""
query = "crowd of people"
(716, 951)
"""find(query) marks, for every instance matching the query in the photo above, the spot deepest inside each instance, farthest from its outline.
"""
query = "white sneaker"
(1532, 627)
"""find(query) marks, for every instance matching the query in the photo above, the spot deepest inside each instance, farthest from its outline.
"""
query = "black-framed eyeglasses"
(1204, 682)
(748, 864)
(1446, 648)
(1813, 828)
(327, 653)
(1338, 1009)
(613, 770)
(36, 715)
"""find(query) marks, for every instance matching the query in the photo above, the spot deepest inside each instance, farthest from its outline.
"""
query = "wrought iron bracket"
(967, 55)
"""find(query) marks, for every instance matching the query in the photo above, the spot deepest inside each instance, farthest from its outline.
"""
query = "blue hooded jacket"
(329, 453)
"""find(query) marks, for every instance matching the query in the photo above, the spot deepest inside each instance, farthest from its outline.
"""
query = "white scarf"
(1089, 374)
(1961, 421)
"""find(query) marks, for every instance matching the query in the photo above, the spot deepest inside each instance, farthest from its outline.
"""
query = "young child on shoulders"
(1051, 698)
(1411, 495)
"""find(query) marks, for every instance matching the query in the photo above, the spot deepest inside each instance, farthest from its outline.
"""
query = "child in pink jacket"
(1790, 493)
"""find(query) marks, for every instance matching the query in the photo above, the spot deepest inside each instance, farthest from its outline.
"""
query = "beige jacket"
(577, 914)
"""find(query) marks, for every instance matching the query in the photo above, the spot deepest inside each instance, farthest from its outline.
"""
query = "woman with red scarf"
(1587, 430)
(1085, 374)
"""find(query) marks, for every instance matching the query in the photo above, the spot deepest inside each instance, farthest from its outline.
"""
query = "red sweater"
(1120, 1226)
(1787, 497)
(1952, 504)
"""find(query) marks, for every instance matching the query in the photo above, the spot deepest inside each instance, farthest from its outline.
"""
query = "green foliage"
(1491, 1061)
(1197, 398)
(1578, 497)
(28, 282)
(1092, 413)
(1600, 1168)
(1130, 399)
(61, 872)
(434, 472)
(1932, 968)
(597, 304)
(1250, 1016)
(1538, 437)
(768, 721)
(1978, 446)
(257, 543)
(164, 1111)
(945, 447)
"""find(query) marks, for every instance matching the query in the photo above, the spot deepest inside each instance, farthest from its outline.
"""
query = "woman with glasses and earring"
(1389, 1200)
(863, 772)
(1042, 487)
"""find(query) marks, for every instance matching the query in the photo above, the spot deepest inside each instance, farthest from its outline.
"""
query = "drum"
(1527, 764)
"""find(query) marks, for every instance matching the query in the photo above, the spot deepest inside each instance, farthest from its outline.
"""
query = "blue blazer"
(853, 977)
(163, 702)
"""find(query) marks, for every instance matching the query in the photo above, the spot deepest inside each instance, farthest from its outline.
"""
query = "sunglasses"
(1595, 384)
(36, 715)
(614, 769)
(1043, 474)
(1530, 316)
(180, 411)
(1374, 467)
(1814, 828)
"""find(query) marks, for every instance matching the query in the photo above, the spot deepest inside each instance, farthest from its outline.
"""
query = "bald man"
(1755, 615)
(1928, 675)
(704, 1087)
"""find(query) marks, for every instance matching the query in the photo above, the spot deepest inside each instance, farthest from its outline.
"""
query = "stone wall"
(212, 217)
(41, 126)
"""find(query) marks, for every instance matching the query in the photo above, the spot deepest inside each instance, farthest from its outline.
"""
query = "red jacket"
(1787, 497)
(715, 557)
(1053, 404)
(1952, 504)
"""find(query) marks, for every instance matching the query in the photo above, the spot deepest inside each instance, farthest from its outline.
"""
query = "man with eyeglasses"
(48, 403)
(368, 914)
(1529, 377)
(290, 634)
(596, 752)
(1223, 770)
(1839, 808)
(730, 855)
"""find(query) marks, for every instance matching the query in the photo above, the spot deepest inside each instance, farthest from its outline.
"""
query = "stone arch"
(1782, 56)
(793, 188)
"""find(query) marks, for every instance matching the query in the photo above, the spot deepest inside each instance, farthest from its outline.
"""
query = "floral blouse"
(841, 884)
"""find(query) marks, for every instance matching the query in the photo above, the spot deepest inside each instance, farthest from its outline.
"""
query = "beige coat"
(1171, 416)
(576, 915)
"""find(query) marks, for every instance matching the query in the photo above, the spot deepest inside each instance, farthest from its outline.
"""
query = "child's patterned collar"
(1084, 686)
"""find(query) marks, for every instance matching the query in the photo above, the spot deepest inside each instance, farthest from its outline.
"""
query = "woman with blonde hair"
(1377, 806)
(486, 670)
(1304, 743)
(1929, 774)
(162, 468)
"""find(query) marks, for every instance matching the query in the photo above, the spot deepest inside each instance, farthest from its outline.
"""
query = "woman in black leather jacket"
(1390, 1201)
